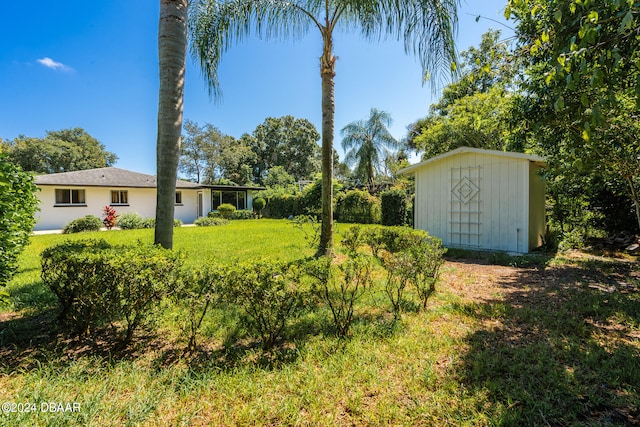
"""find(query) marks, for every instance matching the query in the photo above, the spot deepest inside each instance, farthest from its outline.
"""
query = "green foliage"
(210, 221)
(365, 141)
(18, 205)
(226, 210)
(258, 204)
(410, 257)
(97, 283)
(130, 221)
(268, 294)
(358, 206)
(277, 177)
(60, 151)
(85, 223)
(341, 286)
(394, 206)
(284, 205)
(151, 223)
(198, 291)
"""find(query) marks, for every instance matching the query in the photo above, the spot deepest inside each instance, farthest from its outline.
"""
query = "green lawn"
(553, 344)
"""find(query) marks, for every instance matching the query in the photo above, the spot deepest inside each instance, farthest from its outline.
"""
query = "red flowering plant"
(110, 217)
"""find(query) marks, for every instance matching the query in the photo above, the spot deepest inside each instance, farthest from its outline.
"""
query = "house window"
(178, 197)
(119, 197)
(235, 198)
(69, 197)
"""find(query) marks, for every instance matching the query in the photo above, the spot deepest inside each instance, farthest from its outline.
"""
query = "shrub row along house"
(70, 195)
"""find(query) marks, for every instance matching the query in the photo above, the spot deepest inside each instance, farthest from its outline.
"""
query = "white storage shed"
(481, 199)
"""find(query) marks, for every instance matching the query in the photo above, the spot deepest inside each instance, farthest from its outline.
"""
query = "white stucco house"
(70, 195)
(481, 199)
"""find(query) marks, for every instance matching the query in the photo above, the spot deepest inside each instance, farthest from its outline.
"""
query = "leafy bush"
(18, 205)
(199, 290)
(151, 223)
(341, 286)
(394, 207)
(284, 206)
(259, 204)
(110, 217)
(85, 223)
(268, 295)
(359, 207)
(97, 283)
(210, 221)
(130, 221)
(242, 214)
(226, 210)
(410, 257)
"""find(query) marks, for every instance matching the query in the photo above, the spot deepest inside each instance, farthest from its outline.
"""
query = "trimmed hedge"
(358, 207)
(394, 207)
(85, 223)
(97, 283)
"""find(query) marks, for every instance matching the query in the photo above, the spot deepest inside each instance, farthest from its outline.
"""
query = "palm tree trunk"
(172, 50)
(327, 73)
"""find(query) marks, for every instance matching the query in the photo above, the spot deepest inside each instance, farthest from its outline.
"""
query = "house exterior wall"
(478, 201)
(537, 211)
(140, 200)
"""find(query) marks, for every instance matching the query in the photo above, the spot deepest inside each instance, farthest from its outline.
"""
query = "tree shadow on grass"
(561, 347)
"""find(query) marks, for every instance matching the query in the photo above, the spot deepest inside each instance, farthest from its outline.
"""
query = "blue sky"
(93, 64)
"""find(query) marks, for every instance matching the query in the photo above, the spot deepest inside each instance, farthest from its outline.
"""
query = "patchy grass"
(552, 343)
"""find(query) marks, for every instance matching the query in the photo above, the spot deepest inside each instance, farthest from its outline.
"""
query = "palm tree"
(426, 26)
(172, 51)
(366, 141)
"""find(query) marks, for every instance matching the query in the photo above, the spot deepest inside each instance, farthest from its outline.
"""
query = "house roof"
(106, 177)
(530, 157)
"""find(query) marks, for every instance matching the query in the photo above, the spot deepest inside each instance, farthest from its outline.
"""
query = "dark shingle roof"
(106, 177)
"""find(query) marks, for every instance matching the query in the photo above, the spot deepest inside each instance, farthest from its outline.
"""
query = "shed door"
(465, 208)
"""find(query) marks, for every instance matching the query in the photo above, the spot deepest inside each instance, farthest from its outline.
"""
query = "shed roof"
(106, 177)
(529, 157)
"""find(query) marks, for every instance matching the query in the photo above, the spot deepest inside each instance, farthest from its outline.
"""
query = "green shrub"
(85, 223)
(18, 205)
(259, 204)
(268, 295)
(151, 223)
(130, 221)
(410, 257)
(284, 206)
(226, 210)
(310, 228)
(199, 290)
(97, 283)
(210, 221)
(359, 207)
(394, 207)
(242, 214)
(341, 286)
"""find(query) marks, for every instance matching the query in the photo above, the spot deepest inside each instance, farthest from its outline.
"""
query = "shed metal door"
(465, 208)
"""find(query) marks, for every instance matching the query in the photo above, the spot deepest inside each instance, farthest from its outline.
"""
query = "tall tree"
(172, 50)
(365, 141)
(426, 26)
(59, 151)
(288, 142)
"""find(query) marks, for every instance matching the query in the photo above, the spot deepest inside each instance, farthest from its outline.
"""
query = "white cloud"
(50, 63)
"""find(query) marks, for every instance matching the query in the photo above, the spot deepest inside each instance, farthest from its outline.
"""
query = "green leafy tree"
(277, 177)
(582, 92)
(172, 50)
(474, 110)
(288, 142)
(18, 204)
(60, 151)
(365, 142)
(426, 26)
(197, 149)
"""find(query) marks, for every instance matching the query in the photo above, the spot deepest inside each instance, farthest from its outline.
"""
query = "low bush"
(226, 210)
(259, 204)
(198, 291)
(341, 286)
(310, 228)
(268, 294)
(210, 221)
(110, 217)
(284, 206)
(151, 223)
(242, 214)
(85, 223)
(130, 221)
(97, 283)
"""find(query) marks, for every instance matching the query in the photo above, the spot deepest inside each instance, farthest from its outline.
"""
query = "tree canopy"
(59, 151)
